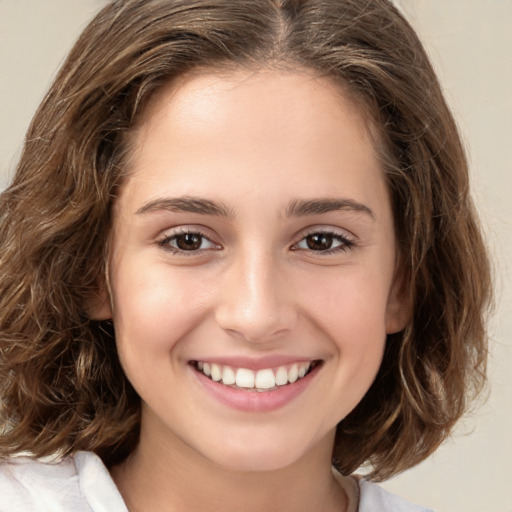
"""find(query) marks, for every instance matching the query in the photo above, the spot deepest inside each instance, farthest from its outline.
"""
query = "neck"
(163, 478)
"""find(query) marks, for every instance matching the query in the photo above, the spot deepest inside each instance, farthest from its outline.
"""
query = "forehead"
(261, 127)
(238, 80)
(275, 97)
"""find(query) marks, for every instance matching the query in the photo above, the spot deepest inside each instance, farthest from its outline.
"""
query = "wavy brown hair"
(62, 388)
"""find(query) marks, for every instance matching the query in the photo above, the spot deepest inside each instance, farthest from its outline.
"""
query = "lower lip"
(255, 401)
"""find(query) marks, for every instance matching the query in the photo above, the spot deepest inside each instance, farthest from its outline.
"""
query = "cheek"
(347, 318)
(351, 300)
(350, 311)
(153, 309)
(152, 313)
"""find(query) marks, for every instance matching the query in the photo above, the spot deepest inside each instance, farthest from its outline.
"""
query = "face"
(253, 266)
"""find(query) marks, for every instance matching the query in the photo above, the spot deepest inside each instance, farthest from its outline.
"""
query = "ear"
(100, 307)
(399, 306)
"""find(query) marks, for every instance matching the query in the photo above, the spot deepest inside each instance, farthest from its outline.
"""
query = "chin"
(252, 458)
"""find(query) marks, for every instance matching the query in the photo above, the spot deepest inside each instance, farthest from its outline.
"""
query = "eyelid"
(348, 239)
(327, 228)
(163, 241)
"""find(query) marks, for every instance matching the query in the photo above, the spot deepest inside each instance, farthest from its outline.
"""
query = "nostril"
(256, 306)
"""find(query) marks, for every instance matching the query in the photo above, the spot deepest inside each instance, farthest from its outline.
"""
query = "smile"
(266, 379)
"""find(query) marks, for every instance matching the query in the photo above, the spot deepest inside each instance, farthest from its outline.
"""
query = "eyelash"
(166, 241)
(345, 243)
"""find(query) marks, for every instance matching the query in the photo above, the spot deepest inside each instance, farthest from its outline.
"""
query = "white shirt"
(82, 483)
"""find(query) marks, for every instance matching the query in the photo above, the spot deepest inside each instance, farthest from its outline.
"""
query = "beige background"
(470, 42)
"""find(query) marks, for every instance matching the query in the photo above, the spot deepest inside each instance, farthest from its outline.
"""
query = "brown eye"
(324, 242)
(319, 241)
(189, 241)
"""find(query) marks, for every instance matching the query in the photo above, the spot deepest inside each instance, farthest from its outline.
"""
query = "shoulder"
(80, 483)
(33, 485)
(375, 499)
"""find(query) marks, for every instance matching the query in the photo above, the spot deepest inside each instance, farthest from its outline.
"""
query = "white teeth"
(260, 380)
(244, 378)
(216, 372)
(293, 373)
(281, 376)
(265, 379)
(228, 376)
(303, 369)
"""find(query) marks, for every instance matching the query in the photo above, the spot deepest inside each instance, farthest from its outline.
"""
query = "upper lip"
(260, 363)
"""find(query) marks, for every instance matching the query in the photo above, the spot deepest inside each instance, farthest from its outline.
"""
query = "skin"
(255, 143)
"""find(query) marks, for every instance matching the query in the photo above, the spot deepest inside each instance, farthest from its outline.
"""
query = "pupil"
(189, 241)
(319, 242)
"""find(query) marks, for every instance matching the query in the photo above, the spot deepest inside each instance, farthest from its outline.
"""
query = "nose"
(255, 302)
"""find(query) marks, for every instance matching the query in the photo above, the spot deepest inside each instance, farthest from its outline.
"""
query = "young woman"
(239, 259)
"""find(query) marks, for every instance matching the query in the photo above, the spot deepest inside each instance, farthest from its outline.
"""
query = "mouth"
(262, 380)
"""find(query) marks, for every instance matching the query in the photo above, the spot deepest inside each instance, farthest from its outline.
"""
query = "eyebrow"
(186, 204)
(300, 208)
(296, 207)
